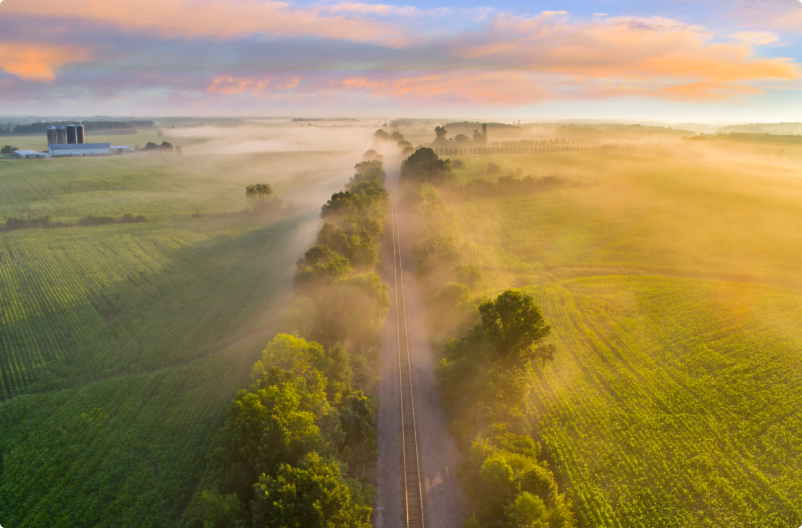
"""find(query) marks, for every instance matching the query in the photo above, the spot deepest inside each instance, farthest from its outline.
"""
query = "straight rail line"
(414, 510)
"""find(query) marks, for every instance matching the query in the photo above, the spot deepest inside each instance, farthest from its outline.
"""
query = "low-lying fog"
(286, 137)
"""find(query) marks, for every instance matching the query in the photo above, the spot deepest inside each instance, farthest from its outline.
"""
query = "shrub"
(131, 219)
(95, 220)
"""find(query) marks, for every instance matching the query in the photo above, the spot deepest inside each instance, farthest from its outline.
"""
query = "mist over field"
(375, 265)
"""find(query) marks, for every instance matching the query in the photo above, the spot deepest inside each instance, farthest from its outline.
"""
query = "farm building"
(29, 154)
(80, 149)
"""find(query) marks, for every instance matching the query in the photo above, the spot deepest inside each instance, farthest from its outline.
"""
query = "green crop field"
(671, 282)
(121, 345)
(126, 451)
(674, 402)
(85, 303)
(157, 186)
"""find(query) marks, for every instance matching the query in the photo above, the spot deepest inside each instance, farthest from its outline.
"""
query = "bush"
(8, 149)
(492, 168)
(27, 223)
(458, 164)
(92, 220)
(131, 219)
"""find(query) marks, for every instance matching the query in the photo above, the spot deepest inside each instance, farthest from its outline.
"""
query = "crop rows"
(122, 452)
(674, 402)
(85, 304)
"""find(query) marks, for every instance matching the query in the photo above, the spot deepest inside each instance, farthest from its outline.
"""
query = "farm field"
(81, 304)
(634, 214)
(672, 401)
(126, 451)
(159, 186)
(671, 283)
(141, 138)
(121, 345)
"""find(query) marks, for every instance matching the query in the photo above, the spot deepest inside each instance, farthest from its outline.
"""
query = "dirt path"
(445, 500)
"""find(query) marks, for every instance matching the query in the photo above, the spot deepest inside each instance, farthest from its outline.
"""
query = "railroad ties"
(413, 501)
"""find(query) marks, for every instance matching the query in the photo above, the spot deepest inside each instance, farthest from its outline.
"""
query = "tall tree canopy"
(425, 166)
(515, 324)
(313, 495)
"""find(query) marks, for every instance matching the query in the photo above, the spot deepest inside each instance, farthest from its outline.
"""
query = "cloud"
(373, 9)
(38, 62)
(266, 50)
(193, 18)
(627, 49)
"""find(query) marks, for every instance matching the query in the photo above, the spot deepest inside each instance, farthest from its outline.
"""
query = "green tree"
(515, 324)
(372, 155)
(440, 134)
(426, 166)
(220, 511)
(266, 428)
(312, 495)
(259, 195)
(527, 511)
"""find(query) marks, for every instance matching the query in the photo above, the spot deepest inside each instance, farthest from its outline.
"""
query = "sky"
(715, 61)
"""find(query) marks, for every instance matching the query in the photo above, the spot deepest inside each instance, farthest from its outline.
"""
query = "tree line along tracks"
(414, 511)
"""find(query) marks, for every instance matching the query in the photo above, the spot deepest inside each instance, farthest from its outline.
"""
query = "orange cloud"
(682, 57)
(228, 85)
(38, 63)
(188, 18)
(492, 88)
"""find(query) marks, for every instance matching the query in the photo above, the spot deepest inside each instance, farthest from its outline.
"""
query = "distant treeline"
(751, 138)
(510, 185)
(298, 446)
(313, 119)
(127, 127)
(13, 224)
(510, 148)
(472, 125)
(780, 129)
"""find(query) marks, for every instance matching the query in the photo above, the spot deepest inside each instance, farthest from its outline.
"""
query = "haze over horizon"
(710, 61)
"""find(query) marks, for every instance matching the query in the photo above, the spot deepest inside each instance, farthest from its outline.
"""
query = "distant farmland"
(670, 279)
(121, 345)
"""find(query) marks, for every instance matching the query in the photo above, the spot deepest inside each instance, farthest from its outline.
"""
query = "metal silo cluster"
(65, 135)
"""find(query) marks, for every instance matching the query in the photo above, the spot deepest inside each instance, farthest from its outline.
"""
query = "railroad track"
(413, 504)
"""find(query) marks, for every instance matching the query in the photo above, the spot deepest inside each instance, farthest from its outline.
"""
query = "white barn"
(29, 154)
(80, 149)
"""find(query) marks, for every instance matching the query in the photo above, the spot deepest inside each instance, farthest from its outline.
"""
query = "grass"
(122, 345)
(671, 282)
(674, 402)
(641, 215)
(141, 138)
(159, 186)
(127, 451)
(87, 303)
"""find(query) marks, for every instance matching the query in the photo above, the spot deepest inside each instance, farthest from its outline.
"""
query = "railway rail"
(413, 501)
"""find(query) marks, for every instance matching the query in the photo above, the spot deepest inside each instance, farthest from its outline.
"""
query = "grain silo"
(61, 135)
(79, 134)
(52, 137)
(71, 135)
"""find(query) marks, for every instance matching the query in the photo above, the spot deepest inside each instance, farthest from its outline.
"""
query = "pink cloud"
(191, 18)
(685, 59)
